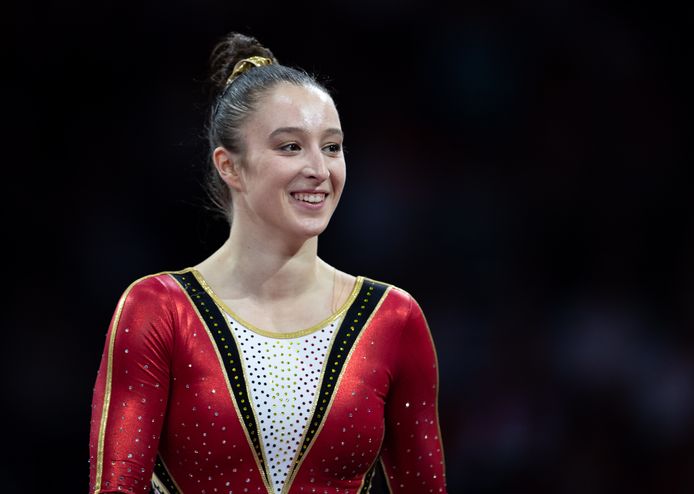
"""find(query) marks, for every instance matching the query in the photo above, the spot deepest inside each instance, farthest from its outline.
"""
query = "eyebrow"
(301, 130)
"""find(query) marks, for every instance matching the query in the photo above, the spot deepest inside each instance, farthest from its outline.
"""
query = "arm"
(131, 390)
(412, 454)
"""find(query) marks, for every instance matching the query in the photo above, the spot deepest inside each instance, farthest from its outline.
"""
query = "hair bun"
(232, 48)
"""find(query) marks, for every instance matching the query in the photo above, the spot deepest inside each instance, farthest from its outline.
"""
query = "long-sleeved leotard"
(173, 406)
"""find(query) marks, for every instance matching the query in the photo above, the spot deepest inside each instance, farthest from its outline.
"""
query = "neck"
(264, 267)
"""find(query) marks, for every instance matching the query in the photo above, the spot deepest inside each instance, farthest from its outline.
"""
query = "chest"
(253, 407)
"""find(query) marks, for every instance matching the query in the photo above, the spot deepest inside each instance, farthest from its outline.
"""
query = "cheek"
(339, 175)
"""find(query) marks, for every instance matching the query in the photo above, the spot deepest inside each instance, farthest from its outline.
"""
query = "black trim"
(223, 338)
(354, 321)
(164, 477)
(368, 478)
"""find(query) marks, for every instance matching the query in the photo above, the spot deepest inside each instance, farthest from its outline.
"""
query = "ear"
(228, 167)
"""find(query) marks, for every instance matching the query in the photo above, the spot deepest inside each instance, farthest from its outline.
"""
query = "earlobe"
(227, 165)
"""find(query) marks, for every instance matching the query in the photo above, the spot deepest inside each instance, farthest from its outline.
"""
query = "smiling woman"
(291, 170)
(263, 368)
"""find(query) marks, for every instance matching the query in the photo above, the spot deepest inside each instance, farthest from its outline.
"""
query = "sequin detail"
(221, 334)
(283, 377)
(178, 382)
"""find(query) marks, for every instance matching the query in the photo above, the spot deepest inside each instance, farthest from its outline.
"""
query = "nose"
(316, 167)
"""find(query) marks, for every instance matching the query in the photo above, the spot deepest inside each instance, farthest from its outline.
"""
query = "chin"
(310, 230)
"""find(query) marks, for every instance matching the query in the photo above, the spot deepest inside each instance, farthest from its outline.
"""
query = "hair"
(234, 102)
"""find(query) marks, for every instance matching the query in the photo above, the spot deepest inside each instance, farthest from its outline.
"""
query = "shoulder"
(397, 293)
(395, 298)
(156, 288)
(147, 315)
(400, 312)
(153, 302)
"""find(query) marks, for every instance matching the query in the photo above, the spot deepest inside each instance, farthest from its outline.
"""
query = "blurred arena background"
(520, 168)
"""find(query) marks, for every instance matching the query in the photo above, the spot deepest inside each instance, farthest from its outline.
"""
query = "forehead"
(288, 105)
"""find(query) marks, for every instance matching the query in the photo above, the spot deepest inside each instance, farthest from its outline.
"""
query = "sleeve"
(412, 453)
(131, 390)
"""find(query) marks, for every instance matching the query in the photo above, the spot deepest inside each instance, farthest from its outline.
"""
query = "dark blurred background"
(520, 168)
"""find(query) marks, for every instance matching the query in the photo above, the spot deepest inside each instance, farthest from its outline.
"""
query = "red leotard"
(171, 407)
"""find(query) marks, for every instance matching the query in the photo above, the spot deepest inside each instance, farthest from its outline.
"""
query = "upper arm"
(129, 400)
(412, 453)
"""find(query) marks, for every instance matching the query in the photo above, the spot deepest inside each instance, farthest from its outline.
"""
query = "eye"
(333, 148)
(291, 146)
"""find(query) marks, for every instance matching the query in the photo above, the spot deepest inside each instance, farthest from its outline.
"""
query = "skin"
(268, 270)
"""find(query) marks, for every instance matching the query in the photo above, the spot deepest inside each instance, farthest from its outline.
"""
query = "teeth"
(313, 198)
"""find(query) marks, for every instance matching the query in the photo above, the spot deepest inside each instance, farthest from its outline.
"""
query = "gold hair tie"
(245, 64)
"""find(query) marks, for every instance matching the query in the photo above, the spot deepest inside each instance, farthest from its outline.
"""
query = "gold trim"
(295, 471)
(107, 393)
(109, 376)
(385, 475)
(239, 416)
(159, 485)
(249, 396)
(294, 465)
(168, 470)
(276, 334)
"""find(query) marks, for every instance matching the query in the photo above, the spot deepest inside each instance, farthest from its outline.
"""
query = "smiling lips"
(311, 198)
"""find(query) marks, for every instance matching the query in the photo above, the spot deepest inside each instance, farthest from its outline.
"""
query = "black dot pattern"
(357, 315)
(218, 328)
(284, 375)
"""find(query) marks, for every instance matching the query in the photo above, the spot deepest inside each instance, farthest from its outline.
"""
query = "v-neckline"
(280, 334)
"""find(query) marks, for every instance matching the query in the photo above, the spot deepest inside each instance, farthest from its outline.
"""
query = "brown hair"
(233, 103)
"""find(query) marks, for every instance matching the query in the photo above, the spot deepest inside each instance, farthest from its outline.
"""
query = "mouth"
(310, 198)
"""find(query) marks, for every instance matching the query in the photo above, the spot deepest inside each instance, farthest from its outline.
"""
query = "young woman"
(263, 368)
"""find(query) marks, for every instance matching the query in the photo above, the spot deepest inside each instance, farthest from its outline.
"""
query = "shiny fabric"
(161, 390)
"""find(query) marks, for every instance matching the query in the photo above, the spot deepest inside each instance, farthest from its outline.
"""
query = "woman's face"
(292, 169)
